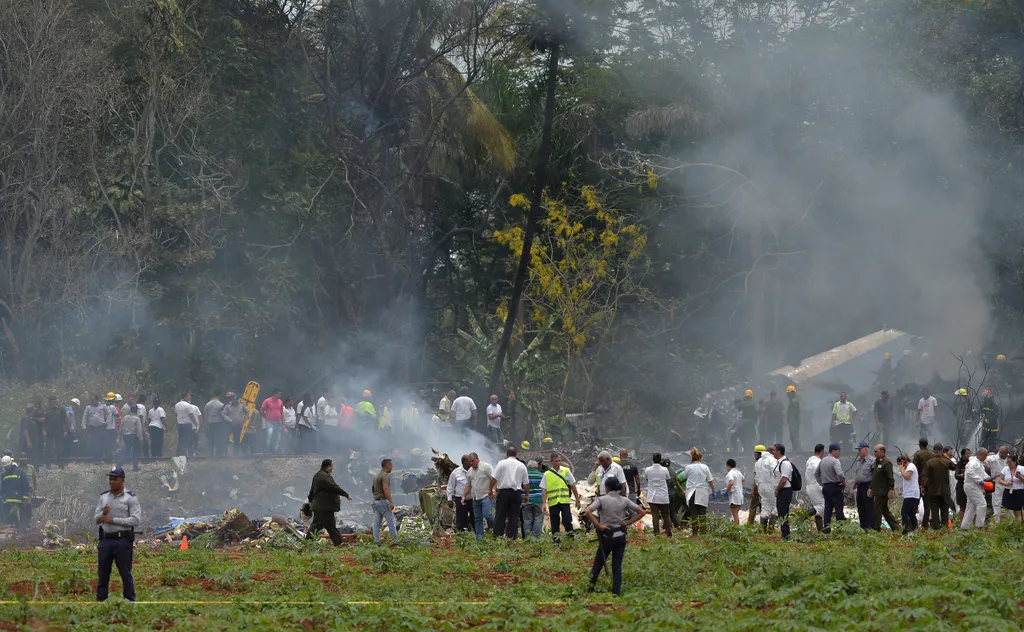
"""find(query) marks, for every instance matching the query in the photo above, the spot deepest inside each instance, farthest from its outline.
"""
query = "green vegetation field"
(731, 579)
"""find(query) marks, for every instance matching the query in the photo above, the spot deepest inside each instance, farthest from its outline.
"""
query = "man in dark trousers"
(920, 461)
(325, 500)
(15, 491)
(56, 429)
(883, 417)
(883, 484)
(936, 482)
(862, 468)
(117, 513)
(832, 479)
(512, 484)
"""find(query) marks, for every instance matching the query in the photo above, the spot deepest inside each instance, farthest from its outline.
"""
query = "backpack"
(796, 481)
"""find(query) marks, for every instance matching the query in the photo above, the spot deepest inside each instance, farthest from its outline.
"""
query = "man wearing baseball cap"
(862, 469)
(118, 513)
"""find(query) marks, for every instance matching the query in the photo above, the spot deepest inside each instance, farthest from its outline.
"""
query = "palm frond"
(684, 115)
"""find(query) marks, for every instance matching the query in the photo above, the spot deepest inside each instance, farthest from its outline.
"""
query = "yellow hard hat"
(548, 440)
(525, 445)
(961, 392)
(111, 395)
(749, 393)
(760, 448)
(887, 356)
(1000, 357)
(790, 389)
(366, 393)
(616, 459)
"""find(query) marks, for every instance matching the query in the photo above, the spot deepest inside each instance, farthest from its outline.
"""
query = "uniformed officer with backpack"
(118, 513)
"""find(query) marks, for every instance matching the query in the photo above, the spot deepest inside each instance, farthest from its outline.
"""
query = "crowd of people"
(125, 429)
(764, 421)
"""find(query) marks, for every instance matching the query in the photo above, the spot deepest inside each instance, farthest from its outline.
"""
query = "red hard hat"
(989, 486)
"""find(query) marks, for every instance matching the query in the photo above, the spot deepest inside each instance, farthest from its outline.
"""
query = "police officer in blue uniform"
(117, 513)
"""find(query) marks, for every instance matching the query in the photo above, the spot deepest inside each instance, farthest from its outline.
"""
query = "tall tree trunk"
(531, 221)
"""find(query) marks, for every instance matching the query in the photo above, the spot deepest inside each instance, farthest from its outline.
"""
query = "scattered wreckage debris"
(231, 527)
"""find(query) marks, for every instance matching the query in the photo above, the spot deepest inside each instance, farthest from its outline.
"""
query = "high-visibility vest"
(835, 411)
(365, 409)
(558, 491)
(13, 476)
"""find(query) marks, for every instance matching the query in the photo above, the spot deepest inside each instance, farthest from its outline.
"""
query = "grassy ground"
(731, 578)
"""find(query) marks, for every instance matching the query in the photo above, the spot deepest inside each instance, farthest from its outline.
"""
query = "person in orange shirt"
(345, 413)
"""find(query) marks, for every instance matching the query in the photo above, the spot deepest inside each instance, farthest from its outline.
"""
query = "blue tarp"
(176, 522)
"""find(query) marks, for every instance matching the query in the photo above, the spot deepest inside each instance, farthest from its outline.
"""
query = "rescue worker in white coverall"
(975, 478)
(764, 476)
(815, 498)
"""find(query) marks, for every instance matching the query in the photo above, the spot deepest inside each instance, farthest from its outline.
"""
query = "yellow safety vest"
(558, 490)
(835, 411)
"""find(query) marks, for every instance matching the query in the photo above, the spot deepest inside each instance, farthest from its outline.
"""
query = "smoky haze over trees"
(215, 190)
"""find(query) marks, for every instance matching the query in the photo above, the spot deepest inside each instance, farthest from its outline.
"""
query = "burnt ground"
(258, 486)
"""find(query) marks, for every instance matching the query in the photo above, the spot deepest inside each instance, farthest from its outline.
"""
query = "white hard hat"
(117, 397)
(76, 401)
(5, 461)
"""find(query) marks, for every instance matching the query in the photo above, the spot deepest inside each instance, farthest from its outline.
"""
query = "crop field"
(732, 578)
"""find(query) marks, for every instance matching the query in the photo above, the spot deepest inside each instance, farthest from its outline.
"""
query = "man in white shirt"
(321, 408)
(927, 414)
(974, 481)
(456, 490)
(812, 489)
(657, 477)
(464, 411)
(479, 492)
(911, 493)
(494, 418)
(783, 488)
(603, 468)
(996, 462)
(764, 476)
(512, 484)
(184, 413)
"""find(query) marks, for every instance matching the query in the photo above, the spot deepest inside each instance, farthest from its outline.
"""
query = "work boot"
(819, 523)
(591, 584)
(764, 525)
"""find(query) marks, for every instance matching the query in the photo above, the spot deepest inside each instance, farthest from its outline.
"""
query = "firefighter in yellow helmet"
(885, 376)
(746, 427)
(963, 412)
(793, 418)
(366, 412)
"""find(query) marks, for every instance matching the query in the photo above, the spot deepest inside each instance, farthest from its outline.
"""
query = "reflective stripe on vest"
(835, 411)
(558, 491)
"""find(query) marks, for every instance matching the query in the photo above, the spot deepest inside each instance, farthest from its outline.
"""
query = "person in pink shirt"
(273, 411)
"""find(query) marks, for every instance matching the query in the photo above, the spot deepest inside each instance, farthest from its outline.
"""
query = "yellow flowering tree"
(586, 258)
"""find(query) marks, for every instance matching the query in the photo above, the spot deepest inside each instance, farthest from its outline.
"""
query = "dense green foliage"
(731, 579)
(217, 190)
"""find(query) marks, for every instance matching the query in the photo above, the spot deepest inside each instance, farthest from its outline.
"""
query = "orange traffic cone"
(184, 543)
